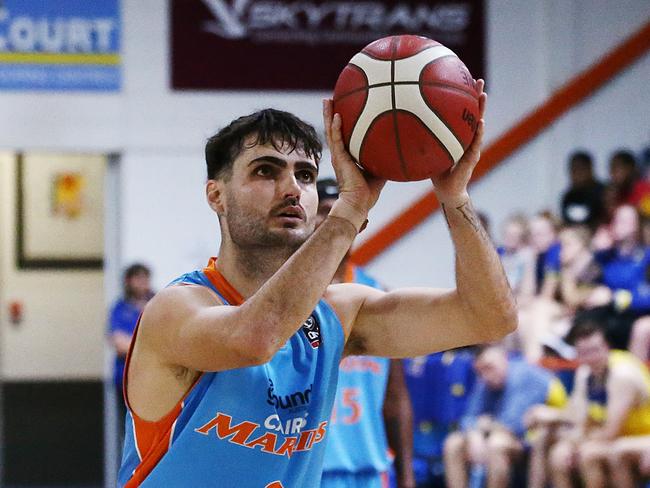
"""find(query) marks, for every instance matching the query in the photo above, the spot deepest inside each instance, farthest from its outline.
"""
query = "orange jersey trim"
(221, 284)
(152, 438)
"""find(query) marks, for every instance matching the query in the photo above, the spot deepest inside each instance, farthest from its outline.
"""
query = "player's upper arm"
(403, 323)
(188, 326)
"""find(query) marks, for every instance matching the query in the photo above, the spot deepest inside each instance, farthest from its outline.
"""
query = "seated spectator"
(608, 413)
(579, 272)
(582, 202)
(546, 322)
(603, 236)
(623, 176)
(517, 258)
(640, 196)
(543, 239)
(625, 292)
(492, 430)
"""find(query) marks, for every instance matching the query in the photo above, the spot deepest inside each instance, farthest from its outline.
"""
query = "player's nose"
(289, 187)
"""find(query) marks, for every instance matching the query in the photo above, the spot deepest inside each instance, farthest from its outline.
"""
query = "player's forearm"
(481, 283)
(274, 313)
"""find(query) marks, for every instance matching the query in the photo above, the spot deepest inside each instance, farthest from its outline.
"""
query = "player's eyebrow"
(269, 159)
(283, 163)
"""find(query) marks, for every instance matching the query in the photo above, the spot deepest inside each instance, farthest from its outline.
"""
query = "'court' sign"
(60, 45)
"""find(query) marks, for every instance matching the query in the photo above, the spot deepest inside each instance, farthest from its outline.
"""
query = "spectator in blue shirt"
(123, 318)
(492, 429)
(625, 288)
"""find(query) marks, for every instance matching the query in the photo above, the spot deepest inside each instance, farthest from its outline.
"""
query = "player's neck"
(248, 269)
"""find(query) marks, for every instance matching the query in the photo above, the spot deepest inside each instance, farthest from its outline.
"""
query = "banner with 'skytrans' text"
(304, 44)
(60, 45)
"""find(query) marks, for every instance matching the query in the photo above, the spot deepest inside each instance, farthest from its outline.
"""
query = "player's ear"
(214, 195)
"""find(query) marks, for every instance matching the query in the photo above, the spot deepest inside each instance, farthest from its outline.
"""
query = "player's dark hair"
(281, 129)
(581, 158)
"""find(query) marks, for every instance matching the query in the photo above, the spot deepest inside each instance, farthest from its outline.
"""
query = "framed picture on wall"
(60, 211)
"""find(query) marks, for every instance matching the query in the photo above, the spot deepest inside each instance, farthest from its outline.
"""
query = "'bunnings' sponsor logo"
(293, 400)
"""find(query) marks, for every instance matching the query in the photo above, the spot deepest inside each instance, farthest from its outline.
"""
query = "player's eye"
(263, 170)
(306, 176)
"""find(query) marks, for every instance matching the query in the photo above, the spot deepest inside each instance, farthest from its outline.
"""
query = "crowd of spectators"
(581, 278)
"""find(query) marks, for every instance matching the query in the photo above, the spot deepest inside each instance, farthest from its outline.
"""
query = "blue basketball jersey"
(356, 440)
(259, 427)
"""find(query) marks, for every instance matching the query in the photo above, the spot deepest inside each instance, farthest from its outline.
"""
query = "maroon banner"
(304, 44)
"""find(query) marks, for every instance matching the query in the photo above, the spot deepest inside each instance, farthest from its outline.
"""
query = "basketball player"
(372, 409)
(232, 373)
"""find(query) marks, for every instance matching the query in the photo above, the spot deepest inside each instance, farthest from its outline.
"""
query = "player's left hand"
(357, 189)
(452, 184)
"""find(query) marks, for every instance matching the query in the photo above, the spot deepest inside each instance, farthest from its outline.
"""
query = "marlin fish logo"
(228, 19)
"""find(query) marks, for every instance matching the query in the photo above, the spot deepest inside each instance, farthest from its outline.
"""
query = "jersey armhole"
(327, 306)
(167, 419)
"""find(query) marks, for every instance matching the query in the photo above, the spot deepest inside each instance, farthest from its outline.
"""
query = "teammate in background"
(372, 410)
(122, 320)
(238, 362)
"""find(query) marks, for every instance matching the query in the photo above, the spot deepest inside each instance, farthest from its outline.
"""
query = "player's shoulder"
(348, 292)
(175, 302)
(346, 299)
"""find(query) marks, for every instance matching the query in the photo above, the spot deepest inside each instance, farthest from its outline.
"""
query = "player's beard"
(248, 229)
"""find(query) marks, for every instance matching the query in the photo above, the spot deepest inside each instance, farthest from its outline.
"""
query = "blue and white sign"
(60, 45)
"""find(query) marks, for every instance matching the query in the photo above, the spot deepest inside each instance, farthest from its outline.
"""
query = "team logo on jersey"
(311, 329)
(270, 438)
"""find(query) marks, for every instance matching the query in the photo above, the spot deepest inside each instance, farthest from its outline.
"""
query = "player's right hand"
(358, 191)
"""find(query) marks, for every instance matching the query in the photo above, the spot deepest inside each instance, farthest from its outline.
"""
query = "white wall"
(62, 333)
(532, 48)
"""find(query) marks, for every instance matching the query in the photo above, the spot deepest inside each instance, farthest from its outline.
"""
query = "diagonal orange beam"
(571, 94)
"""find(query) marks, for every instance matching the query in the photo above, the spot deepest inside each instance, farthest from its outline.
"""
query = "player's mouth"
(292, 214)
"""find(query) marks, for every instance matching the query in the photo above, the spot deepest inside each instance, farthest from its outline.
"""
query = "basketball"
(408, 106)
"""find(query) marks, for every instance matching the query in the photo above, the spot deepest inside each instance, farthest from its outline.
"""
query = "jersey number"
(350, 401)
